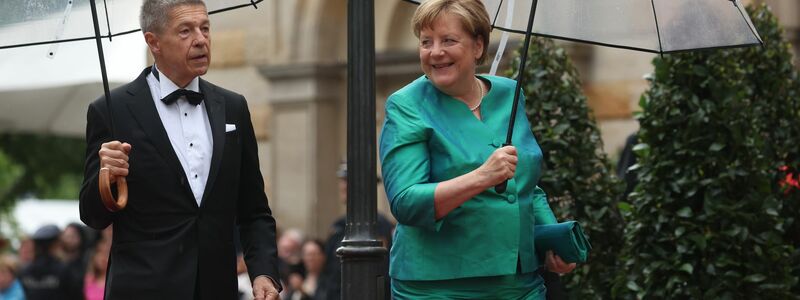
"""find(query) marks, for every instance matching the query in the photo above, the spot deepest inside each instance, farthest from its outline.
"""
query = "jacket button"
(497, 143)
(511, 198)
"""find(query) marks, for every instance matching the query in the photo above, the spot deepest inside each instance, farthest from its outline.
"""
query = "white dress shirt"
(188, 129)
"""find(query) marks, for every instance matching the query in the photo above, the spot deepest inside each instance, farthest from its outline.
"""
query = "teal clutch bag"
(565, 239)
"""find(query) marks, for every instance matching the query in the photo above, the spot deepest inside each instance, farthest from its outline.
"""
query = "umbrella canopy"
(657, 26)
(35, 22)
(51, 61)
(57, 110)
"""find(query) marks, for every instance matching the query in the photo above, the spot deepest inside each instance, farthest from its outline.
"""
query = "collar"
(166, 86)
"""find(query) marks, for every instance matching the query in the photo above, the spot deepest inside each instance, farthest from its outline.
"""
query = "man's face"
(183, 48)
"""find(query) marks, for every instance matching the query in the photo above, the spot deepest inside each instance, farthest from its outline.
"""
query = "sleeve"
(542, 213)
(405, 164)
(541, 209)
(254, 217)
(93, 212)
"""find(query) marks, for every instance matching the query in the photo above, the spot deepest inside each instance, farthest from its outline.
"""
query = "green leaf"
(755, 278)
(716, 147)
(685, 212)
(560, 128)
(640, 147)
(772, 212)
(700, 70)
(698, 240)
(679, 231)
(633, 286)
(687, 268)
(624, 206)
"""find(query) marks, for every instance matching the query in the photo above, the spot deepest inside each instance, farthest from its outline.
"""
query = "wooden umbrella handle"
(105, 191)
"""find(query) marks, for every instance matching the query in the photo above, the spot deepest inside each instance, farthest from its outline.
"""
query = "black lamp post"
(362, 253)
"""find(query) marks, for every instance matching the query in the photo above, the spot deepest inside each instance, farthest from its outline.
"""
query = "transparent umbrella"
(25, 23)
(656, 26)
(50, 23)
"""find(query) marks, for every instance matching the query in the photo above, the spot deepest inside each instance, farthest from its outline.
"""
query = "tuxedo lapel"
(215, 106)
(144, 111)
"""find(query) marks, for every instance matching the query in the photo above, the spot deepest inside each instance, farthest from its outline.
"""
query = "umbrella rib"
(109, 36)
(68, 40)
(658, 31)
(108, 23)
(749, 26)
(252, 3)
(497, 13)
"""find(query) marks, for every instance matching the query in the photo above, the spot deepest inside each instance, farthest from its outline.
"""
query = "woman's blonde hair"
(472, 14)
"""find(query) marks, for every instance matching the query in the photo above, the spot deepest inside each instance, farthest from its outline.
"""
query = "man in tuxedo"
(188, 152)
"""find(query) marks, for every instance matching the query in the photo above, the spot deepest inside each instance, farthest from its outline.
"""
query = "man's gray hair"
(155, 13)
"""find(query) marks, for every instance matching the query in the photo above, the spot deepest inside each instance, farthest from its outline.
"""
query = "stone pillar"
(305, 145)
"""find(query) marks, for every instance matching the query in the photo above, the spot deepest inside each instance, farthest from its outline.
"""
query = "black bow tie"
(191, 96)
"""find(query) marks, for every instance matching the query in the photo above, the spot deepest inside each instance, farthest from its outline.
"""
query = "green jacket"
(429, 137)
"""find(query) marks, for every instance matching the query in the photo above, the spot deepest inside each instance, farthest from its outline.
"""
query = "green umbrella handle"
(105, 191)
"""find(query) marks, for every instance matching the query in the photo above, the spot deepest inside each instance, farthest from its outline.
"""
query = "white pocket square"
(230, 127)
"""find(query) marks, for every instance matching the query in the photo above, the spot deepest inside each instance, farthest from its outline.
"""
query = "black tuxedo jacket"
(164, 245)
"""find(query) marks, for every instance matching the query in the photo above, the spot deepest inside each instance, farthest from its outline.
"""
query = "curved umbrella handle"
(105, 191)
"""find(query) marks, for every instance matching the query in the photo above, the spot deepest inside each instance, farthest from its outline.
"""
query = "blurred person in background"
(313, 261)
(294, 282)
(245, 288)
(44, 278)
(330, 285)
(10, 287)
(290, 257)
(26, 252)
(74, 243)
(4, 243)
(74, 247)
(95, 280)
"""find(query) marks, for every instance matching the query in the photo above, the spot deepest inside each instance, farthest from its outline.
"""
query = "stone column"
(306, 145)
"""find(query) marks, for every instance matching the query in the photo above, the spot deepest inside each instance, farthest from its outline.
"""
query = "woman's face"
(70, 239)
(101, 256)
(448, 54)
(313, 257)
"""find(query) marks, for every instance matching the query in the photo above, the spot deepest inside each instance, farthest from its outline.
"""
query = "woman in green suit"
(441, 154)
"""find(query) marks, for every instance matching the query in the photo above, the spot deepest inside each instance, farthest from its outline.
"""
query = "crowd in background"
(71, 264)
(310, 269)
(55, 263)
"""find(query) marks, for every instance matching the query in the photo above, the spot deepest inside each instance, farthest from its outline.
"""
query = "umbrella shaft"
(102, 65)
(521, 73)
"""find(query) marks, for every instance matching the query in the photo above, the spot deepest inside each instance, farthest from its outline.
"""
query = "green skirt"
(528, 286)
